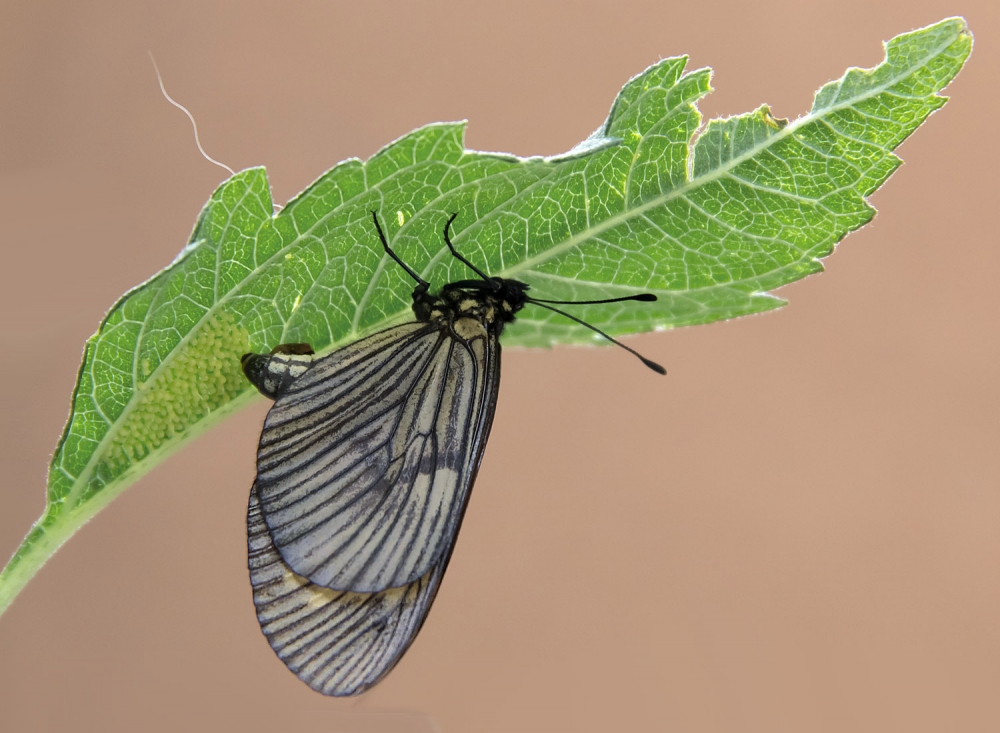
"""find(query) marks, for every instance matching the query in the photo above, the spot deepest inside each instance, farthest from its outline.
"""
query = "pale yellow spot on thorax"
(469, 328)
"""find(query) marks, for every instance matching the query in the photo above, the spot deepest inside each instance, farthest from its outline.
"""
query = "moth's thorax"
(472, 308)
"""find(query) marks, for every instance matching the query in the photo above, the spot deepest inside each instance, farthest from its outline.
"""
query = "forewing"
(337, 642)
(366, 461)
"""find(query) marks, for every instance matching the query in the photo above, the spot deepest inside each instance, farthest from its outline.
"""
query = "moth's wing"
(366, 460)
(337, 642)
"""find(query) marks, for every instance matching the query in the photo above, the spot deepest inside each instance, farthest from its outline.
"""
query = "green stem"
(45, 537)
(58, 523)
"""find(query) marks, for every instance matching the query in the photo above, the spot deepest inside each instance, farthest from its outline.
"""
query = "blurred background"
(796, 530)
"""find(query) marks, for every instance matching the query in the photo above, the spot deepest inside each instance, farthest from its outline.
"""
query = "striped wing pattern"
(365, 461)
(364, 471)
(337, 642)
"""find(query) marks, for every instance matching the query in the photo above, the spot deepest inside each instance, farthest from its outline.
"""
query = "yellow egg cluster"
(199, 378)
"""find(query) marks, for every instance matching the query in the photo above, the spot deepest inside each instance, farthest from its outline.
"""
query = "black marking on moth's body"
(364, 470)
(272, 373)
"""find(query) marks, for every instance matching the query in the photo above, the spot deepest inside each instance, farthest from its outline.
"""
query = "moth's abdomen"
(271, 374)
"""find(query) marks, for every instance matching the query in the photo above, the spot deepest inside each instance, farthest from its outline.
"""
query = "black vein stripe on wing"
(348, 376)
(363, 479)
(337, 642)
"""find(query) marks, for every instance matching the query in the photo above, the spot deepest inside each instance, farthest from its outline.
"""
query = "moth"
(364, 470)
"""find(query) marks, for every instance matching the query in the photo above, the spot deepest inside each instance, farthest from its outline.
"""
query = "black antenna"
(644, 297)
(420, 281)
(496, 283)
(447, 240)
(648, 362)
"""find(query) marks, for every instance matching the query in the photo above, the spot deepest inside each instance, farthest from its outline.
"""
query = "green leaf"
(710, 227)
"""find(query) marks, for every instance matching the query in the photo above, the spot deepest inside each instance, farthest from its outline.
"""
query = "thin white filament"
(194, 124)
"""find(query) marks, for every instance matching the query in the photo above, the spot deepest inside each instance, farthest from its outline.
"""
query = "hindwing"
(337, 642)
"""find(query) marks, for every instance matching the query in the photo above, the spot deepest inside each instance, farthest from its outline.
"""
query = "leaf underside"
(709, 222)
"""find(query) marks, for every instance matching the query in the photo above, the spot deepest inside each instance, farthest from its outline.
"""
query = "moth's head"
(512, 294)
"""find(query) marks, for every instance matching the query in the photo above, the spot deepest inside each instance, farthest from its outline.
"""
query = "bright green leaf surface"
(710, 228)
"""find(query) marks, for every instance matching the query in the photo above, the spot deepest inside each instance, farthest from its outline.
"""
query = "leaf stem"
(58, 522)
(46, 536)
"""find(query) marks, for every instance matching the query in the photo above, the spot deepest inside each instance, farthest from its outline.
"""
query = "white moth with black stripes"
(364, 470)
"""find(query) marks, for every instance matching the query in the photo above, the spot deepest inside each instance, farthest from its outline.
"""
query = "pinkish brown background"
(797, 530)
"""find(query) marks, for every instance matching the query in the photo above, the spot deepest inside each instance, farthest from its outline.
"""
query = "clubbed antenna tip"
(653, 365)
